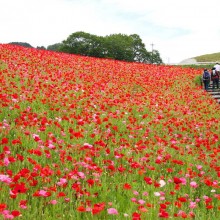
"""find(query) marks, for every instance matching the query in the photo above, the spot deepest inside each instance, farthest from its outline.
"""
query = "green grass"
(196, 66)
(214, 57)
(198, 80)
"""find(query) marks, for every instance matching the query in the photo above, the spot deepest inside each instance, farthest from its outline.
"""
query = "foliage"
(119, 47)
(88, 138)
(23, 44)
(84, 44)
(198, 80)
(198, 66)
(140, 54)
(155, 57)
(40, 48)
(215, 57)
(54, 47)
(115, 46)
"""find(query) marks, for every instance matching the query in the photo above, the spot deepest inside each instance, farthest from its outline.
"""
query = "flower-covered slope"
(88, 138)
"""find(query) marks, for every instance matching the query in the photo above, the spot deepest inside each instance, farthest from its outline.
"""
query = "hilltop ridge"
(214, 57)
(202, 59)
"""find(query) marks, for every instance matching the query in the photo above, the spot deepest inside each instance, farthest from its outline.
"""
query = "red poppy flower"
(148, 180)
(61, 194)
(127, 186)
(4, 141)
(2, 206)
(163, 206)
(15, 213)
(97, 208)
(90, 182)
(177, 180)
(163, 214)
(209, 206)
(19, 188)
(136, 216)
(81, 209)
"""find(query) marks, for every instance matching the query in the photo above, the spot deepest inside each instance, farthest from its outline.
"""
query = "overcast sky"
(179, 29)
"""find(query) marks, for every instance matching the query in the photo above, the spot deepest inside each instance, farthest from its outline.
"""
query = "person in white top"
(217, 67)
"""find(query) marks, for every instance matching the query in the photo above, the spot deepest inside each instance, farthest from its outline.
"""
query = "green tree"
(119, 47)
(41, 48)
(54, 47)
(84, 44)
(155, 57)
(116, 46)
(23, 44)
(140, 54)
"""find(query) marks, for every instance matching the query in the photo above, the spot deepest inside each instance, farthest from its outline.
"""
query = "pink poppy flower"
(192, 205)
(141, 202)
(53, 202)
(5, 178)
(199, 167)
(193, 184)
(112, 211)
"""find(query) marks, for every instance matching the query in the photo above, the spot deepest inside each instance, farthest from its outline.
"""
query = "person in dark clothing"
(215, 78)
(206, 78)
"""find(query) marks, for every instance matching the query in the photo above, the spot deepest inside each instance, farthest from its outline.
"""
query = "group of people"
(213, 76)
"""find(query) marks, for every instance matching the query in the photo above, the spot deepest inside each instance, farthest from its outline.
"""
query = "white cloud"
(179, 29)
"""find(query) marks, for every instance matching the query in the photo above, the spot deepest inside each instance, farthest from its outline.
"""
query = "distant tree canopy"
(155, 57)
(40, 48)
(84, 44)
(115, 46)
(54, 47)
(23, 44)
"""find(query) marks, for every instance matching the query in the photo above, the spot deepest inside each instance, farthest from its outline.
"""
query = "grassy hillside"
(196, 66)
(208, 57)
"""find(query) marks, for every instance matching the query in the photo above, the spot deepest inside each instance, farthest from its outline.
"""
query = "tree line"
(24, 44)
(115, 46)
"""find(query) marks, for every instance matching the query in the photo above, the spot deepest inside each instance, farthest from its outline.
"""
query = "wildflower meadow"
(88, 138)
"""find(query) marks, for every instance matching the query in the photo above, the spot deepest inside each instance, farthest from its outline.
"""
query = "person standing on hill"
(206, 78)
(217, 67)
(215, 78)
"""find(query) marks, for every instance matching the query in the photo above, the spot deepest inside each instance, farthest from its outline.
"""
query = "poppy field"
(88, 138)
